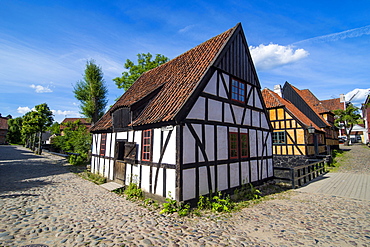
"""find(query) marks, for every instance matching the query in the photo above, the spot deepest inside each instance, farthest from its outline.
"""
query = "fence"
(300, 175)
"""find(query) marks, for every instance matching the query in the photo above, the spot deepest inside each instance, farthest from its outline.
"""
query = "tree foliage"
(14, 134)
(144, 63)
(92, 92)
(347, 118)
(54, 128)
(75, 139)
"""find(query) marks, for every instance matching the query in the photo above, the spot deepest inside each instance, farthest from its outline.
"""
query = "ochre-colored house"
(292, 143)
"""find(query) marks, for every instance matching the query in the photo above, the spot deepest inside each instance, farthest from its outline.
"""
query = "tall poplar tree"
(92, 92)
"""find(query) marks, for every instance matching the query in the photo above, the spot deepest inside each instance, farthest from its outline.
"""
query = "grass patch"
(95, 178)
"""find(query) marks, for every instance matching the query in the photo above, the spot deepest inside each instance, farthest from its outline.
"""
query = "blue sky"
(44, 45)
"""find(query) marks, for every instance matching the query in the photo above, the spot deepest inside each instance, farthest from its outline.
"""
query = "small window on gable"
(279, 137)
(147, 145)
(103, 142)
(237, 90)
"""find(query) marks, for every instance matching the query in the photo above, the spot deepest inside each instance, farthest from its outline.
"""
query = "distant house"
(366, 116)
(194, 125)
(3, 129)
(293, 145)
(83, 121)
(309, 105)
(336, 104)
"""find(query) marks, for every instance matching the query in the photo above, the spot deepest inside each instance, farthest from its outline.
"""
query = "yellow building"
(292, 142)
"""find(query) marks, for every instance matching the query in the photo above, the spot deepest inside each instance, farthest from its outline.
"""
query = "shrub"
(172, 206)
(133, 192)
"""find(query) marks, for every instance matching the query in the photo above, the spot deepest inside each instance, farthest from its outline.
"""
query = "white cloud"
(24, 109)
(274, 55)
(357, 96)
(65, 113)
(186, 29)
(41, 89)
(352, 33)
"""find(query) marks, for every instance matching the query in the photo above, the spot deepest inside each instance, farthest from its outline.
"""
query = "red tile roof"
(176, 81)
(333, 104)
(273, 100)
(71, 120)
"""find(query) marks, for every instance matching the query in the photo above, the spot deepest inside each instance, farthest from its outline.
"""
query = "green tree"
(75, 139)
(92, 92)
(347, 118)
(29, 129)
(54, 128)
(44, 119)
(144, 63)
(14, 134)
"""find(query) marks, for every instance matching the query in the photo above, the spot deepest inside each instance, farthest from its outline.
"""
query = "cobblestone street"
(41, 202)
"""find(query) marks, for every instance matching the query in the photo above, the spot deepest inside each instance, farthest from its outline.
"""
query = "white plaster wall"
(222, 177)
(238, 112)
(264, 169)
(98, 144)
(198, 110)
(188, 184)
(188, 146)
(198, 130)
(157, 144)
(269, 144)
(245, 173)
(145, 180)
(260, 141)
(222, 92)
(159, 189)
(258, 103)
(251, 98)
(222, 143)
(255, 119)
(108, 145)
(211, 87)
(214, 110)
(247, 117)
(93, 149)
(102, 166)
(252, 143)
(122, 135)
(270, 169)
(203, 180)
(228, 116)
(138, 139)
(234, 174)
(264, 121)
(171, 182)
(209, 129)
(254, 170)
(170, 153)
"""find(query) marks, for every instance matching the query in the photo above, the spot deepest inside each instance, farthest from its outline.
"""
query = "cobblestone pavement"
(356, 159)
(42, 203)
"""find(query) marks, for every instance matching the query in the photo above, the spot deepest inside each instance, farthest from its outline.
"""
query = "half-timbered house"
(292, 143)
(194, 125)
(307, 103)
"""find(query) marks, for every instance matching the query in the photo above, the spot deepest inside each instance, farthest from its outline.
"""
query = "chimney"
(342, 98)
(277, 89)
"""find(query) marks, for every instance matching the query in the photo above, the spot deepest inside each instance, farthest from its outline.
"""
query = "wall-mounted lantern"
(311, 129)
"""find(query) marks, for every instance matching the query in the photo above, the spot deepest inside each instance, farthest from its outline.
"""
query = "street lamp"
(311, 129)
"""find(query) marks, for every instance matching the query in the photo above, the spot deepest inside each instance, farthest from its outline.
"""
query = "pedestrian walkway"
(349, 185)
(352, 179)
